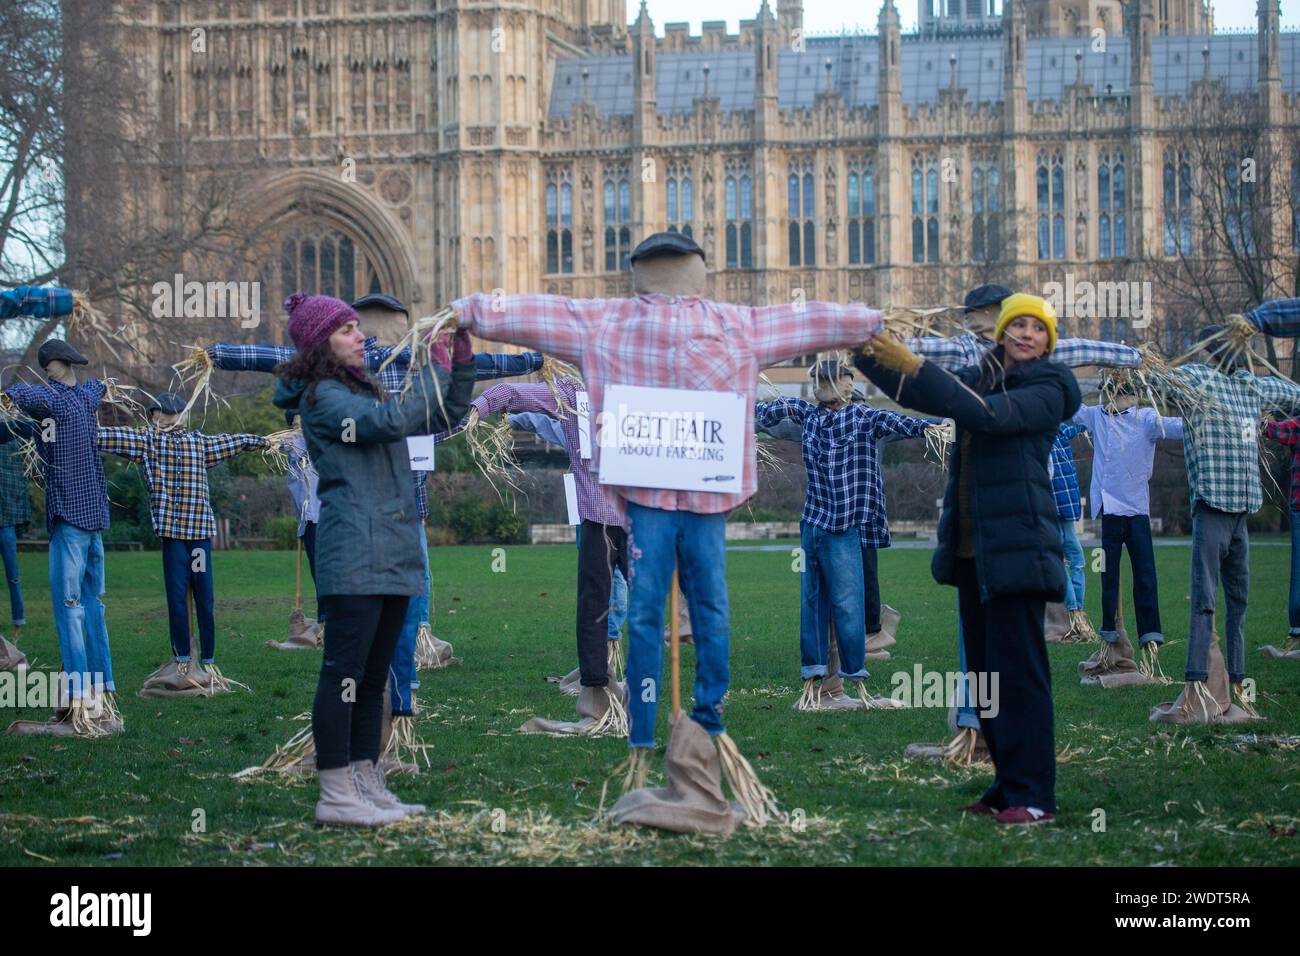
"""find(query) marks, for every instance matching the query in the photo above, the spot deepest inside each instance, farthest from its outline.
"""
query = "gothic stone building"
(433, 147)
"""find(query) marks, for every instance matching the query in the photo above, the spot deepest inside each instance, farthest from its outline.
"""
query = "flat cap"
(666, 244)
(57, 350)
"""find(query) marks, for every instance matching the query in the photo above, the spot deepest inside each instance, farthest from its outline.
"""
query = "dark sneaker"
(1025, 815)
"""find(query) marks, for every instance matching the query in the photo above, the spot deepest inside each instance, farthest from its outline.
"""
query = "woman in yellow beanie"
(999, 539)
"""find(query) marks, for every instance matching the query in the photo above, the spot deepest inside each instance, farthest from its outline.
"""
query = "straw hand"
(893, 354)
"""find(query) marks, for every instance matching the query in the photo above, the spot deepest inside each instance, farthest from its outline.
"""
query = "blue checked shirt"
(264, 358)
(1279, 317)
(36, 301)
(1065, 477)
(175, 466)
(15, 508)
(1220, 438)
(841, 456)
(968, 349)
(75, 490)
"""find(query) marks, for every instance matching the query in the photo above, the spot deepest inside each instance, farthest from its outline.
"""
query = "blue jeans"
(403, 676)
(1293, 605)
(9, 553)
(617, 605)
(179, 578)
(657, 540)
(1073, 566)
(967, 712)
(1220, 552)
(830, 588)
(76, 583)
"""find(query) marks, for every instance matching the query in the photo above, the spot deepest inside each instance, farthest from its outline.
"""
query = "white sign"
(672, 438)
(420, 450)
(583, 401)
(571, 497)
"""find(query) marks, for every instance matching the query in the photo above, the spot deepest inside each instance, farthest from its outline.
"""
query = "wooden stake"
(675, 645)
(297, 580)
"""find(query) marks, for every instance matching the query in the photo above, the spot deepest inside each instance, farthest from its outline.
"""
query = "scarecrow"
(979, 318)
(76, 515)
(304, 632)
(669, 336)
(602, 548)
(15, 515)
(1287, 434)
(1124, 443)
(843, 515)
(36, 302)
(1069, 509)
(552, 432)
(175, 461)
(1220, 446)
(384, 358)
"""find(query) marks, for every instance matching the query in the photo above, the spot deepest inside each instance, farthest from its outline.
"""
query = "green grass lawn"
(1169, 796)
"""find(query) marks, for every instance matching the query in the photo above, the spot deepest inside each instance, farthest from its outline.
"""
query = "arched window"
(1112, 200)
(800, 205)
(862, 211)
(925, 209)
(318, 258)
(559, 221)
(1049, 181)
(739, 208)
(986, 207)
(618, 212)
(1177, 182)
(679, 196)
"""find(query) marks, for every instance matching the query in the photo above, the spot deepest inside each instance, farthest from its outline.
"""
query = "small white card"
(583, 401)
(420, 450)
(571, 497)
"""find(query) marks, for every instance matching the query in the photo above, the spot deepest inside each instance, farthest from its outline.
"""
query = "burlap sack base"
(107, 723)
(693, 801)
(305, 634)
(940, 752)
(1268, 650)
(11, 658)
(592, 710)
(1211, 703)
(1113, 665)
(432, 653)
(569, 684)
(1056, 622)
(167, 681)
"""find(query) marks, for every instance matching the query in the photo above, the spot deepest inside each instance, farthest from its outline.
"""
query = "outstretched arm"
(1280, 317)
(1079, 352)
(129, 443)
(217, 448)
(249, 358)
(38, 302)
(508, 397)
(548, 323)
(784, 332)
(770, 414)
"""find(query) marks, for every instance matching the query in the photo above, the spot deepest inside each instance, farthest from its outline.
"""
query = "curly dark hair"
(318, 364)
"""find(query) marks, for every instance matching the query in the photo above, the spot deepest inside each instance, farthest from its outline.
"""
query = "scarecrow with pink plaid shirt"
(668, 336)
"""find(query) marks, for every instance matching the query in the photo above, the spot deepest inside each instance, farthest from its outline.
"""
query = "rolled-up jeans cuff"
(968, 718)
(1110, 637)
(860, 675)
(1155, 637)
(1236, 678)
(1293, 632)
(20, 623)
(1200, 676)
(813, 670)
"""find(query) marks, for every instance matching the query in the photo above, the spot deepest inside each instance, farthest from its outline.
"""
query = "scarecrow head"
(668, 263)
(383, 316)
(167, 412)
(1116, 393)
(57, 358)
(982, 307)
(832, 382)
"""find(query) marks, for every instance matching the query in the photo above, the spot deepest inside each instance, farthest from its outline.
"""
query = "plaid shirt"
(841, 455)
(1288, 433)
(968, 349)
(264, 358)
(1065, 477)
(1279, 317)
(592, 503)
(75, 489)
(1220, 438)
(39, 302)
(15, 508)
(175, 466)
(661, 341)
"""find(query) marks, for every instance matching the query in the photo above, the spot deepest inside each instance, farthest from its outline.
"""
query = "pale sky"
(832, 16)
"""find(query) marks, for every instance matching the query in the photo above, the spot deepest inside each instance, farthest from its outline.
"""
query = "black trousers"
(1004, 640)
(1134, 531)
(309, 547)
(871, 589)
(360, 636)
(601, 548)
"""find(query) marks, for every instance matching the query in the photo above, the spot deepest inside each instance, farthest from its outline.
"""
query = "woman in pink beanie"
(368, 560)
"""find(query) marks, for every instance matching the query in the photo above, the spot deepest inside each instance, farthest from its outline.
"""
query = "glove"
(439, 354)
(462, 352)
(893, 354)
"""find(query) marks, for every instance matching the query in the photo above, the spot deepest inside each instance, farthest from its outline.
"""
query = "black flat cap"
(169, 403)
(377, 300)
(829, 368)
(985, 296)
(57, 350)
(666, 244)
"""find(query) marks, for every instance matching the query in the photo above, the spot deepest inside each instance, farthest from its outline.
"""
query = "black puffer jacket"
(1017, 533)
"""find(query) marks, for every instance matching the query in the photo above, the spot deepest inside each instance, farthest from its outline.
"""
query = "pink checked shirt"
(665, 341)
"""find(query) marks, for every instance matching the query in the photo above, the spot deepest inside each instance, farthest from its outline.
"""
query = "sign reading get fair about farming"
(678, 439)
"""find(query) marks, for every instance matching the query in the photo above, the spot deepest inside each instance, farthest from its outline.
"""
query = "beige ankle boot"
(373, 786)
(341, 802)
